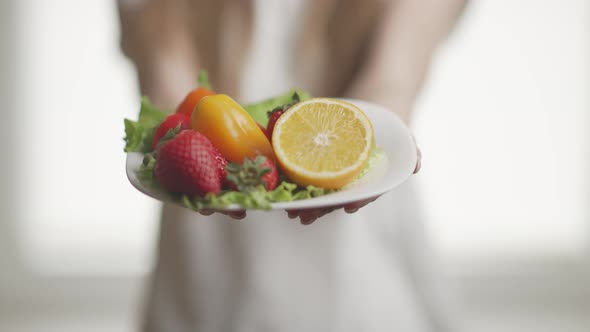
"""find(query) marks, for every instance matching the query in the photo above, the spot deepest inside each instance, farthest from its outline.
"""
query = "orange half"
(323, 142)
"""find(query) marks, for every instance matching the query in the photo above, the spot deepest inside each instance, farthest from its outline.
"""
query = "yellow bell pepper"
(230, 128)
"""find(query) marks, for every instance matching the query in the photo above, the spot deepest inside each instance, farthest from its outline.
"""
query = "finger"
(206, 212)
(328, 210)
(238, 215)
(351, 209)
(355, 206)
(419, 157)
(418, 161)
(292, 214)
(320, 213)
(306, 217)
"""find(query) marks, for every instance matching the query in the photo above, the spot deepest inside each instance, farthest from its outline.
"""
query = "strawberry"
(273, 116)
(171, 122)
(271, 178)
(251, 173)
(187, 164)
(261, 128)
(221, 164)
(276, 113)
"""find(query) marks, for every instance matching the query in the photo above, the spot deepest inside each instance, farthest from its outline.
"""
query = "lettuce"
(258, 198)
(139, 134)
(259, 111)
(376, 156)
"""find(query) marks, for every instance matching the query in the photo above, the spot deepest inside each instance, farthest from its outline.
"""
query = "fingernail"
(418, 166)
(353, 210)
(308, 221)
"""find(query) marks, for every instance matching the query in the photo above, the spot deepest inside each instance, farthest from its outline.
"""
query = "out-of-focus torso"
(268, 273)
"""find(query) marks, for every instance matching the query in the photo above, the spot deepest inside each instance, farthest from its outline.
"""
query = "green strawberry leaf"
(170, 134)
(248, 175)
(294, 100)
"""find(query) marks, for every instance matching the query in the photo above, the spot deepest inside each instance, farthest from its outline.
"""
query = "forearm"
(154, 36)
(401, 51)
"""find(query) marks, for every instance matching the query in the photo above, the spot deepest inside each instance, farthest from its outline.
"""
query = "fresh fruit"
(230, 128)
(261, 127)
(221, 165)
(252, 173)
(172, 121)
(276, 113)
(259, 110)
(271, 178)
(192, 99)
(187, 164)
(323, 142)
(272, 120)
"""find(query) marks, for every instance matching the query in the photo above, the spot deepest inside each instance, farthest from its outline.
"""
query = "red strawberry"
(187, 164)
(261, 127)
(272, 120)
(271, 178)
(221, 164)
(276, 113)
(172, 121)
(252, 173)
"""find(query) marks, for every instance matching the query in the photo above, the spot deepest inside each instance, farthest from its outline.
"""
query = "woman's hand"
(238, 214)
(308, 216)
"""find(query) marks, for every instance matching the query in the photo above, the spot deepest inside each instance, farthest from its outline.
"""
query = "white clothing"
(361, 272)
(346, 272)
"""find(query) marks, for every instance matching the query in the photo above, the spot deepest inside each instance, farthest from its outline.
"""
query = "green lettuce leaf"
(133, 135)
(203, 80)
(377, 154)
(259, 198)
(259, 110)
(139, 134)
(146, 171)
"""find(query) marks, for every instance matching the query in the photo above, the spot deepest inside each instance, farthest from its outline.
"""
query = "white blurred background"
(503, 124)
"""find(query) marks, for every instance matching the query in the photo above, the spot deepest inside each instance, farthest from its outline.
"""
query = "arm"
(404, 43)
(154, 35)
(406, 39)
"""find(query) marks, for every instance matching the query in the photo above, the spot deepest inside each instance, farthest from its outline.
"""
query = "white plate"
(391, 135)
